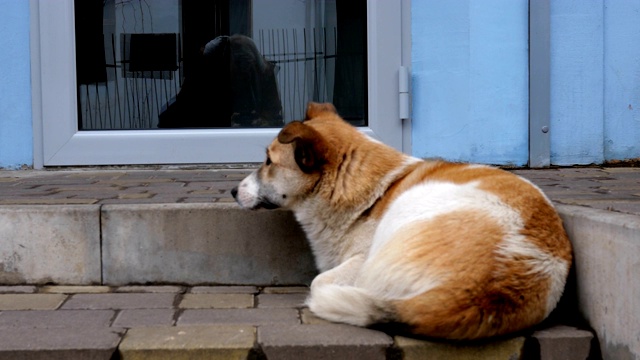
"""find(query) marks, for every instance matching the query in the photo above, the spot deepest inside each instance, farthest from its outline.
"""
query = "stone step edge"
(91, 244)
(605, 249)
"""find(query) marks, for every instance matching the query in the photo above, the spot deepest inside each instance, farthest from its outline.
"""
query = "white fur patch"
(248, 191)
(346, 304)
(426, 201)
(396, 281)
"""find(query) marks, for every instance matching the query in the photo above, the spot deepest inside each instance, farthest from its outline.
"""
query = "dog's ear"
(315, 109)
(308, 145)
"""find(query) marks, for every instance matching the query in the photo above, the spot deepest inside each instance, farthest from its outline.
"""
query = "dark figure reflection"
(232, 85)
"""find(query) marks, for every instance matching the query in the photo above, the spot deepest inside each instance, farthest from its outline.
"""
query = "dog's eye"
(268, 161)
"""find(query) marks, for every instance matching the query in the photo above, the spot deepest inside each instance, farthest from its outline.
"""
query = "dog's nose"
(234, 192)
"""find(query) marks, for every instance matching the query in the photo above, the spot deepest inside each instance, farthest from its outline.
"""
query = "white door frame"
(57, 141)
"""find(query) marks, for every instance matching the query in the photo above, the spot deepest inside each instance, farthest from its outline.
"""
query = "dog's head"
(294, 163)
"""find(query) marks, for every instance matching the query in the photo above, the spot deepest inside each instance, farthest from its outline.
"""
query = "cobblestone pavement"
(175, 322)
(615, 189)
(118, 186)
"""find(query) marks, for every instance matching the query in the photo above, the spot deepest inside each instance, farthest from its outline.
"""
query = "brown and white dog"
(452, 251)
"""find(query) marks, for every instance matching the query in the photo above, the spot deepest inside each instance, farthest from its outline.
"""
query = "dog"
(448, 250)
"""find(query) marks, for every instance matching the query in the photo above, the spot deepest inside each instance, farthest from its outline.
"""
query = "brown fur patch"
(355, 164)
(316, 109)
(479, 295)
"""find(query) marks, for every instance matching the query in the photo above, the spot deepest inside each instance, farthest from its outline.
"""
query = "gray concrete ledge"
(606, 247)
(202, 244)
(57, 244)
(196, 243)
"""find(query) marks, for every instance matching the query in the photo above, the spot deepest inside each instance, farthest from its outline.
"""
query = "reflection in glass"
(146, 64)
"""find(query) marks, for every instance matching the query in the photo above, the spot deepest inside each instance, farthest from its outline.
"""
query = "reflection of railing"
(306, 65)
(129, 98)
(125, 103)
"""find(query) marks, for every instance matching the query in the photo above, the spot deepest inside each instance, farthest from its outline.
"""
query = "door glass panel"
(161, 64)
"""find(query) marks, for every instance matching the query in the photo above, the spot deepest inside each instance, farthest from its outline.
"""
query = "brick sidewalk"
(175, 322)
(615, 189)
(117, 186)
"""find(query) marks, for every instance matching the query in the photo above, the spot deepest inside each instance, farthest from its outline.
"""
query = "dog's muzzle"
(262, 203)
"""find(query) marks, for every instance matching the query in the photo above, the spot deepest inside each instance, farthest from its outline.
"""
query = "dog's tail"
(348, 304)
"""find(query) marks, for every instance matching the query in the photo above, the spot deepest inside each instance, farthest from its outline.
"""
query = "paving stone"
(204, 200)
(285, 290)
(89, 187)
(213, 192)
(31, 301)
(144, 317)
(58, 244)
(307, 317)
(57, 318)
(75, 289)
(17, 289)
(136, 196)
(152, 200)
(333, 341)
(216, 301)
(624, 206)
(239, 316)
(102, 174)
(77, 343)
(48, 201)
(163, 186)
(120, 301)
(188, 343)
(563, 343)
(224, 290)
(294, 300)
(135, 182)
(151, 289)
(414, 349)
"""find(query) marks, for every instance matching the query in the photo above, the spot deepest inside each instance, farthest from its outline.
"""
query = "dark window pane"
(219, 63)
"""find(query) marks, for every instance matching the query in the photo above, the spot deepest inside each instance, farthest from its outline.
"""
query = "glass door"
(184, 81)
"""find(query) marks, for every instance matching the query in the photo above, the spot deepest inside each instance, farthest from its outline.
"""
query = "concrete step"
(151, 243)
(123, 227)
(228, 322)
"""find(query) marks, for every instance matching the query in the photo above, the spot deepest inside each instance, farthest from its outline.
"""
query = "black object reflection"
(231, 85)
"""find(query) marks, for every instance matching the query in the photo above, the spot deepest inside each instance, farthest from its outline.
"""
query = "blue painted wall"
(595, 74)
(470, 80)
(577, 82)
(621, 80)
(16, 144)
